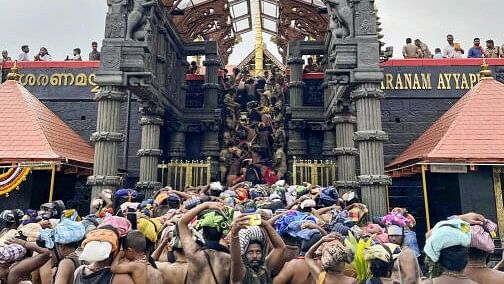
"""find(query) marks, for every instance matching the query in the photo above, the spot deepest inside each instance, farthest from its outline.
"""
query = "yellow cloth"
(321, 277)
(150, 228)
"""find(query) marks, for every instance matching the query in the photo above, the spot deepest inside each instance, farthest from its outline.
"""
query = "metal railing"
(181, 174)
(318, 172)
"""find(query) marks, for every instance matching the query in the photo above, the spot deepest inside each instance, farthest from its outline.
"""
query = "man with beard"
(248, 250)
(477, 50)
(208, 263)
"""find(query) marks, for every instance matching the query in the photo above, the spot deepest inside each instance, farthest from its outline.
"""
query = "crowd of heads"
(254, 137)
(44, 55)
(245, 233)
(418, 49)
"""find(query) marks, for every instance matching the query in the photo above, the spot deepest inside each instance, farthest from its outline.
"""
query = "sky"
(62, 25)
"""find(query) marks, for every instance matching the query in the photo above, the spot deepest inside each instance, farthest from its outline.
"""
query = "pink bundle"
(394, 218)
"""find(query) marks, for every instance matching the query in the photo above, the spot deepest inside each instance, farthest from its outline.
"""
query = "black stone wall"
(405, 119)
(80, 114)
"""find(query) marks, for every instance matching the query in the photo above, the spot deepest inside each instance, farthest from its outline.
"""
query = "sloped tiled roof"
(471, 131)
(29, 131)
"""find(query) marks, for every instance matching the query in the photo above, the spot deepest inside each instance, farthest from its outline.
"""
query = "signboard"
(432, 81)
(451, 169)
(60, 83)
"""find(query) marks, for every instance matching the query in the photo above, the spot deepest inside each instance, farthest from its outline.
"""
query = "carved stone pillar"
(370, 138)
(329, 141)
(183, 85)
(345, 151)
(149, 154)
(212, 64)
(296, 80)
(297, 142)
(210, 146)
(106, 140)
(177, 145)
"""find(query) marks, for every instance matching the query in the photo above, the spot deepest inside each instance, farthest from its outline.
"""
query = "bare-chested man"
(100, 246)
(175, 270)
(209, 264)
(297, 271)
(406, 268)
(334, 257)
(12, 271)
(137, 265)
(482, 245)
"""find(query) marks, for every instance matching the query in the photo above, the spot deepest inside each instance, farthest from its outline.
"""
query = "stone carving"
(341, 21)
(115, 26)
(138, 26)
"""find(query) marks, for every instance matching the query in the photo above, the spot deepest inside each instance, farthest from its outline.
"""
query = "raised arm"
(237, 266)
(186, 237)
(275, 259)
(310, 225)
(275, 218)
(183, 194)
(160, 248)
(315, 269)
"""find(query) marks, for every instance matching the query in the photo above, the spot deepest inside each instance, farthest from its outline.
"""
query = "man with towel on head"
(250, 265)
(175, 270)
(406, 267)
(12, 271)
(334, 257)
(63, 241)
(480, 249)
(100, 247)
(209, 263)
(447, 254)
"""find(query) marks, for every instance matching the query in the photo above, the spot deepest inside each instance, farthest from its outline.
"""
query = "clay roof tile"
(30, 131)
(471, 131)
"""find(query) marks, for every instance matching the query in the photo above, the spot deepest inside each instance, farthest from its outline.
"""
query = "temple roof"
(225, 20)
(32, 132)
(267, 55)
(471, 131)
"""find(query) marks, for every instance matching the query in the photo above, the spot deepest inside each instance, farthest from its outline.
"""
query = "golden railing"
(318, 172)
(181, 174)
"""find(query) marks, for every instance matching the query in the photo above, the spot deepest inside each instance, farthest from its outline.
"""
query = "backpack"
(253, 174)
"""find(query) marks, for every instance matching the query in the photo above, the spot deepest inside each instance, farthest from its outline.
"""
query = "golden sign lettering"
(422, 81)
(60, 79)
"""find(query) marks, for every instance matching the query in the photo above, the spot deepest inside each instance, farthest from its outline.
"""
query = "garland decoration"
(11, 179)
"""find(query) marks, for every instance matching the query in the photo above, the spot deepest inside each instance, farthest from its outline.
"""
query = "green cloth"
(215, 219)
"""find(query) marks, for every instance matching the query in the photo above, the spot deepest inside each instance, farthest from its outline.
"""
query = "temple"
(155, 118)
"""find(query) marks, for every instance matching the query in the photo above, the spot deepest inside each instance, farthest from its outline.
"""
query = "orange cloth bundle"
(102, 235)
